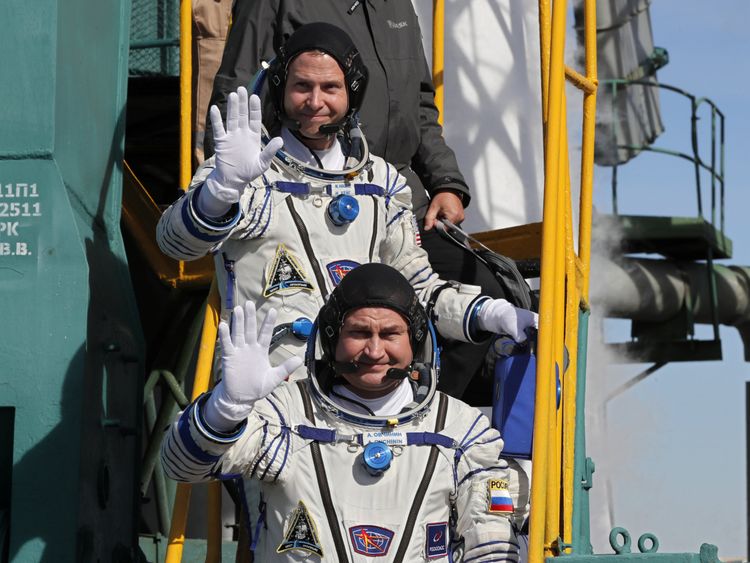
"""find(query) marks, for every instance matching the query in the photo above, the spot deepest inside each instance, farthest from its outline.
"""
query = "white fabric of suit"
(270, 449)
(249, 238)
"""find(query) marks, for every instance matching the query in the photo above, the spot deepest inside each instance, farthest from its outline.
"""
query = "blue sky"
(677, 439)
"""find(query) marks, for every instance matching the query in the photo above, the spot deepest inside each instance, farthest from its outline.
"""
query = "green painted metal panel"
(28, 44)
(583, 467)
(70, 345)
(684, 238)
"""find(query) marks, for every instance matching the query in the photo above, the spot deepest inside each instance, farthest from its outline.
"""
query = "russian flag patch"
(499, 499)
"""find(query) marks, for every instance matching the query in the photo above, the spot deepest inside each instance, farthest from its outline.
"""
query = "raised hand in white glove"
(247, 373)
(239, 157)
(500, 317)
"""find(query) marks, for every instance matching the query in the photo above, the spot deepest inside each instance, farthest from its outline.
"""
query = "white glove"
(500, 317)
(239, 158)
(247, 372)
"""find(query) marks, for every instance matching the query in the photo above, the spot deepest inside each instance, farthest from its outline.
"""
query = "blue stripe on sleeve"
(190, 223)
(195, 451)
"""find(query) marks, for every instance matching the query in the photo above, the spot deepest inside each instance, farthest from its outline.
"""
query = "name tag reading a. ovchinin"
(390, 438)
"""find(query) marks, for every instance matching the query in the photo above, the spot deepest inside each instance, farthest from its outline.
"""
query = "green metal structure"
(696, 238)
(70, 343)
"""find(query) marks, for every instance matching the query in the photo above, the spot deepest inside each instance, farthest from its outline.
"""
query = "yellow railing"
(186, 92)
(564, 281)
(204, 363)
(182, 495)
(438, 51)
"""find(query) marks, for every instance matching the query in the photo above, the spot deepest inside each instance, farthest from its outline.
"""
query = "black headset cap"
(328, 38)
(371, 285)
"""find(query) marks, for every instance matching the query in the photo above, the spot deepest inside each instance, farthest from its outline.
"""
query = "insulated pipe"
(655, 290)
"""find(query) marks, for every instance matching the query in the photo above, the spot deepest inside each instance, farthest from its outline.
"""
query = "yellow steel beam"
(587, 147)
(564, 283)
(140, 215)
(580, 81)
(569, 380)
(186, 93)
(200, 385)
(581, 264)
(552, 515)
(438, 55)
(544, 422)
(545, 31)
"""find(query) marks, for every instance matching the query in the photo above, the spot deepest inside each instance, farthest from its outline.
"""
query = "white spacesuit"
(340, 484)
(281, 249)
(286, 225)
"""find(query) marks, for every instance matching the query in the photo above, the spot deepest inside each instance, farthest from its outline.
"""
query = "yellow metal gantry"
(564, 282)
(565, 272)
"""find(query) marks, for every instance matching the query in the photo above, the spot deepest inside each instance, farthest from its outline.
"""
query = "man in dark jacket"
(398, 117)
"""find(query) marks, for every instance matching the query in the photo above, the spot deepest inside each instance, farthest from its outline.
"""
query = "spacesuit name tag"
(341, 188)
(390, 438)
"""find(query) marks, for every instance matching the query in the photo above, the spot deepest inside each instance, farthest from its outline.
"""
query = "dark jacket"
(398, 115)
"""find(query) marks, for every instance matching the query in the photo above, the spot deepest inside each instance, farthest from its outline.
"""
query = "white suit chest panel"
(285, 267)
(362, 500)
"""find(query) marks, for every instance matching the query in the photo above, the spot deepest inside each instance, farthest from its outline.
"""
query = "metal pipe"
(721, 175)
(564, 229)
(160, 492)
(438, 55)
(545, 31)
(169, 402)
(186, 92)
(568, 376)
(550, 230)
(580, 81)
(696, 153)
(633, 380)
(656, 290)
(587, 147)
(713, 165)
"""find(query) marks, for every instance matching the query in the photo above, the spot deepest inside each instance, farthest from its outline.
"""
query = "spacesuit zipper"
(416, 504)
(322, 478)
(374, 226)
(305, 236)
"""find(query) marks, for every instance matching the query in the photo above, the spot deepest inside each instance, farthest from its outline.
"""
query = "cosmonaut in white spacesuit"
(364, 458)
(285, 225)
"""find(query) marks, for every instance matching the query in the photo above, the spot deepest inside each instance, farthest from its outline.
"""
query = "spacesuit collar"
(425, 382)
(388, 405)
(354, 148)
